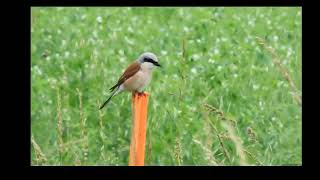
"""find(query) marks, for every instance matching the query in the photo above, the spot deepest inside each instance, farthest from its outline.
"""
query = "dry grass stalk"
(100, 120)
(77, 160)
(224, 150)
(222, 116)
(252, 135)
(209, 154)
(40, 156)
(229, 125)
(253, 157)
(149, 150)
(178, 151)
(237, 141)
(220, 113)
(224, 136)
(152, 126)
(284, 72)
(208, 142)
(59, 126)
(182, 69)
(184, 49)
(149, 147)
(215, 110)
(102, 136)
(83, 129)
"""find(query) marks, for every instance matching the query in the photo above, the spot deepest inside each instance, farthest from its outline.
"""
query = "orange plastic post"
(139, 126)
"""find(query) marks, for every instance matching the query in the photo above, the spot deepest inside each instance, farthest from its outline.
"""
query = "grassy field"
(223, 97)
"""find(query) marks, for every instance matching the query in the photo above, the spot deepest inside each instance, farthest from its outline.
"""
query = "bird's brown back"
(130, 71)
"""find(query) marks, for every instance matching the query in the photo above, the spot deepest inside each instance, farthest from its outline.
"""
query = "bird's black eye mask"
(151, 61)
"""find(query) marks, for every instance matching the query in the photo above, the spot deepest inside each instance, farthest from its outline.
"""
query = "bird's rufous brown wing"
(130, 71)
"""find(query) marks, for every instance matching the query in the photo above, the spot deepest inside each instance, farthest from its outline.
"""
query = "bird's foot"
(139, 93)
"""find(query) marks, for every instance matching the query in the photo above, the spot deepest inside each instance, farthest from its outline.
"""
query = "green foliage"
(221, 64)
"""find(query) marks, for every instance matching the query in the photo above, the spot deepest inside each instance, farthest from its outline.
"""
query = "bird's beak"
(157, 64)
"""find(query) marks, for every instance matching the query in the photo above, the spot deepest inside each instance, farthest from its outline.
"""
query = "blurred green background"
(210, 59)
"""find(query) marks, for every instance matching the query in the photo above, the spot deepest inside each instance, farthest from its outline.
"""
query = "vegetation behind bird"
(210, 56)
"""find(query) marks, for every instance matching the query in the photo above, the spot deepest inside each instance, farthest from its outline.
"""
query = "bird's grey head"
(149, 57)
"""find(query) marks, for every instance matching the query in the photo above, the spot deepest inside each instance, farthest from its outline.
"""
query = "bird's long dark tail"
(106, 102)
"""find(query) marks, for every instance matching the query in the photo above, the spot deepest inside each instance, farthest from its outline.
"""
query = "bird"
(136, 77)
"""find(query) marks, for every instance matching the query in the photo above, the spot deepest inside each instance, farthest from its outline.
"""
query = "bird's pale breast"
(138, 81)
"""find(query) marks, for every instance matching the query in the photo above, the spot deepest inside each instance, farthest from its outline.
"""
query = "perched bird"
(136, 76)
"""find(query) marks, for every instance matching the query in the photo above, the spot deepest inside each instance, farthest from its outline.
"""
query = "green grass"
(221, 64)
